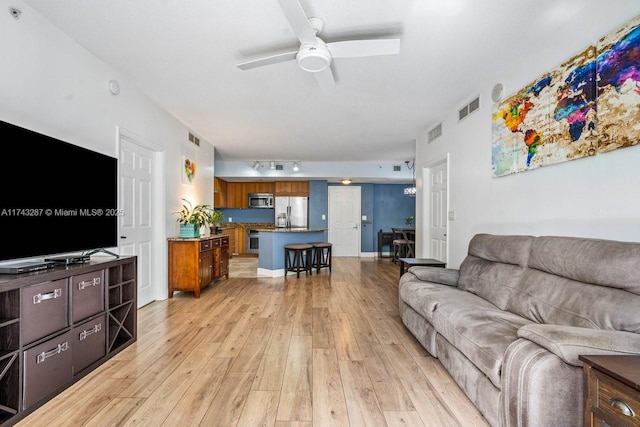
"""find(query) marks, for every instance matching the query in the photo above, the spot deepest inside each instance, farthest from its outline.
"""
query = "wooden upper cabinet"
(292, 188)
(219, 193)
(237, 195)
(264, 187)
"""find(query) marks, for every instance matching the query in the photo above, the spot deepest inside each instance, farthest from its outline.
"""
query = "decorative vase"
(189, 231)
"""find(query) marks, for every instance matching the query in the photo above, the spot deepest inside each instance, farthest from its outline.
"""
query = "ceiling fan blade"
(269, 60)
(325, 80)
(298, 21)
(360, 48)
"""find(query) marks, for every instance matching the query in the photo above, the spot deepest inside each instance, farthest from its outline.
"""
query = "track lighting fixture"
(272, 165)
(256, 165)
(296, 168)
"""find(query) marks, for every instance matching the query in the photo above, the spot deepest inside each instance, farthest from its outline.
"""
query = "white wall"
(591, 197)
(51, 84)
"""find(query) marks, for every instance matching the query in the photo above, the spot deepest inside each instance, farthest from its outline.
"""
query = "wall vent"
(279, 167)
(469, 108)
(434, 133)
(397, 168)
(194, 139)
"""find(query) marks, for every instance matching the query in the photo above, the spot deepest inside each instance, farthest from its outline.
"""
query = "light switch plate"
(324, 217)
(364, 217)
(230, 219)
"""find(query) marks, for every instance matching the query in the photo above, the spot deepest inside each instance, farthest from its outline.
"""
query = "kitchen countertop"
(291, 230)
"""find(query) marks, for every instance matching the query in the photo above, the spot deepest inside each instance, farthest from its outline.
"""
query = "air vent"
(279, 167)
(397, 168)
(194, 139)
(469, 108)
(435, 133)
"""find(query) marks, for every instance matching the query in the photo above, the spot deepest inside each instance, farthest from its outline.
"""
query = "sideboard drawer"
(89, 343)
(47, 367)
(205, 245)
(617, 400)
(44, 310)
(87, 295)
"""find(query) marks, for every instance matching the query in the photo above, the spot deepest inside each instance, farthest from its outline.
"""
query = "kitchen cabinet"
(241, 240)
(236, 195)
(291, 188)
(219, 193)
(196, 263)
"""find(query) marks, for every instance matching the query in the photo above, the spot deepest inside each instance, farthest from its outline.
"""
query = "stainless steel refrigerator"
(291, 212)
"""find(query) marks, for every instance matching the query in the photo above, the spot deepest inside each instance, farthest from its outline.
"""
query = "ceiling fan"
(314, 55)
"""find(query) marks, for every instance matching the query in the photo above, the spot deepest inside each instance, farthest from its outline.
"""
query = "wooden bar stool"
(321, 255)
(297, 258)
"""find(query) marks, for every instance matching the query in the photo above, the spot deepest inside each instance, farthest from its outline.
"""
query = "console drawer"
(47, 367)
(89, 343)
(44, 310)
(87, 295)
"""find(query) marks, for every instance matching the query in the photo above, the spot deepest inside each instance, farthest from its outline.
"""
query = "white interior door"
(344, 220)
(438, 211)
(136, 185)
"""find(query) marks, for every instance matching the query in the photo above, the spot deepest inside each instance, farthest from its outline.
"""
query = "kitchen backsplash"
(249, 215)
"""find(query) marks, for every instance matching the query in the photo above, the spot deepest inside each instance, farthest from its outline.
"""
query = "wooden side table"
(406, 263)
(611, 390)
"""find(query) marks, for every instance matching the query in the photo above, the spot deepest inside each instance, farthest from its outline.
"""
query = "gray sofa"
(510, 324)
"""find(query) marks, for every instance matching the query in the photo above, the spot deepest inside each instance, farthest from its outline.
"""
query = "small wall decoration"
(554, 118)
(188, 170)
(619, 88)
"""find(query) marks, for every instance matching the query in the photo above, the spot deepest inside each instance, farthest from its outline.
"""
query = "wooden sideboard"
(196, 263)
(611, 390)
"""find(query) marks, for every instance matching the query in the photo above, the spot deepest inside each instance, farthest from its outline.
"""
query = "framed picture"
(188, 173)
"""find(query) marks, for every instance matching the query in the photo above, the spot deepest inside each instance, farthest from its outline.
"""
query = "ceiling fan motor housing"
(313, 57)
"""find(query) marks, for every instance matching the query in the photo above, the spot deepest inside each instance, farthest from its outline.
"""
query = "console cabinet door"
(47, 367)
(89, 343)
(87, 295)
(44, 310)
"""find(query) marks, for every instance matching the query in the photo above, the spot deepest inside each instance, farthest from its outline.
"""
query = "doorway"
(137, 171)
(436, 205)
(344, 220)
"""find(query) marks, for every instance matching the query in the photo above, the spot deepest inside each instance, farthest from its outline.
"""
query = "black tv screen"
(56, 197)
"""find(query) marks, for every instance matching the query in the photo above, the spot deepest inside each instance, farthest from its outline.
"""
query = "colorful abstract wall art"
(588, 105)
(551, 120)
(619, 88)
(188, 170)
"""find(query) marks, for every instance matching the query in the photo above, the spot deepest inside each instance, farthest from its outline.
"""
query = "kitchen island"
(272, 241)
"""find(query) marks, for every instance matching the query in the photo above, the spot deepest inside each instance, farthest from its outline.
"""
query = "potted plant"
(192, 218)
(216, 219)
(409, 221)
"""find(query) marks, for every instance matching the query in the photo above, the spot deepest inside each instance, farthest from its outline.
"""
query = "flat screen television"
(56, 197)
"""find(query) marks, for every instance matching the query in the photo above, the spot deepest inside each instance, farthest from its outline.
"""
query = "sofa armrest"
(445, 276)
(569, 342)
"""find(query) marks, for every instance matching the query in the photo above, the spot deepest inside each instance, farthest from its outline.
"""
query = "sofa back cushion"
(494, 266)
(581, 282)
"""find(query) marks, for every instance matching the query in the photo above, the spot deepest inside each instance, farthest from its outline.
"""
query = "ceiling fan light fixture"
(314, 58)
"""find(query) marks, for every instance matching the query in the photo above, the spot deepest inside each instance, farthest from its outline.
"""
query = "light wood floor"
(324, 350)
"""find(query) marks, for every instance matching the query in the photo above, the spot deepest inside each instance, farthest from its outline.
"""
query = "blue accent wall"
(391, 208)
(367, 202)
(318, 204)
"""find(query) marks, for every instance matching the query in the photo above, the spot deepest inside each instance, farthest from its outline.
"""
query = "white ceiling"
(183, 54)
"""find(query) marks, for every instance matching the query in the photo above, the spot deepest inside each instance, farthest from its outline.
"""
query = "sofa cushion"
(494, 266)
(586, 283)
(480, 332)
(425, 297)
(569, 342)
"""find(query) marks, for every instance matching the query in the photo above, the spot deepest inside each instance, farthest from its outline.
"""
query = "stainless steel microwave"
(260, 200)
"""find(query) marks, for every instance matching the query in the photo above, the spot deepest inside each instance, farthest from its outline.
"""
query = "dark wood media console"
(59, 324)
